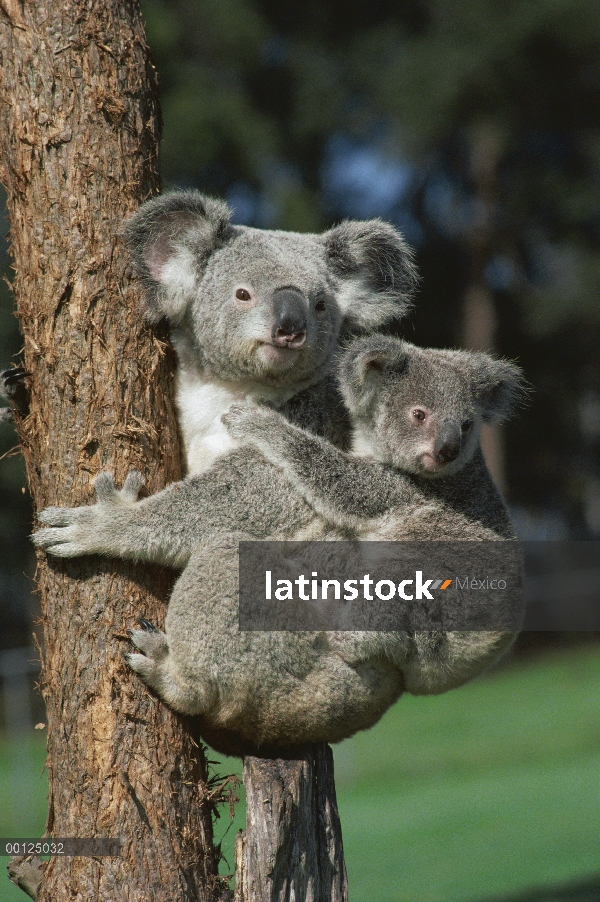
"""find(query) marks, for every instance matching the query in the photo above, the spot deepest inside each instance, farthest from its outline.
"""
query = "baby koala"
(416, 473)
(416, 470)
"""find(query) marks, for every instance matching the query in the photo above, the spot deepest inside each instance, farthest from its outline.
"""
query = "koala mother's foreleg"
(160, 529)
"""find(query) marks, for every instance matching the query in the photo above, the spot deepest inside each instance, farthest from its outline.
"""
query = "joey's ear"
(363, 366)
(499, 387)
(377, 271)
(170, 239)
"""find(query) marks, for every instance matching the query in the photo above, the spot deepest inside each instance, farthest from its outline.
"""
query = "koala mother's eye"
(467, 425)
(320, 305)
(419, 414)
(242, 295)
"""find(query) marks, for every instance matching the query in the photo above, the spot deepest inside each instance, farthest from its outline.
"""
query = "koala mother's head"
(258, 305)
(421, 409)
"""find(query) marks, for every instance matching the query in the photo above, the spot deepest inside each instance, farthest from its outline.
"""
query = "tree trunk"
(480, 321)
(292, 848)
(79, 137)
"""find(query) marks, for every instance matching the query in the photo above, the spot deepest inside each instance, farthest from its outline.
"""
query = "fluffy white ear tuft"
(499, 386)
(376, 270)
(170, 239)
(365, 309)
(364, 365)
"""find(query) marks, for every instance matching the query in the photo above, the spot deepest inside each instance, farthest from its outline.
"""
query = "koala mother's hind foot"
(158, 670)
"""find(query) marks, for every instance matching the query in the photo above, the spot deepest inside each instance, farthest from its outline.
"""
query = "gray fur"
(386, 491)
(356, 276)
(259, 690)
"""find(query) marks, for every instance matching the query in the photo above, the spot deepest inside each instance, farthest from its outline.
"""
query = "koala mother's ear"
(499, 387)
(375, 265)
(170, 239)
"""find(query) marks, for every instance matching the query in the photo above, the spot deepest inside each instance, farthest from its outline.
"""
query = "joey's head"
(258, 305)
(421, 409)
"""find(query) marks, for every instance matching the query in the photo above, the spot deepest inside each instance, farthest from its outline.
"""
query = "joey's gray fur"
(408, 477)
(257, 313)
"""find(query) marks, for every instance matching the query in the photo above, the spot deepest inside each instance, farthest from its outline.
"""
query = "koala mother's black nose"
(289, 321)
(447, 446)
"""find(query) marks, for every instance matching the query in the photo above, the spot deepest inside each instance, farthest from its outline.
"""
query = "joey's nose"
(447, 446)
(289, 322)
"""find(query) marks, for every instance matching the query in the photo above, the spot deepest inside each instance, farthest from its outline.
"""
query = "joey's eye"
(242, 295)
(467, 426)
(419, 414)
(320, 305)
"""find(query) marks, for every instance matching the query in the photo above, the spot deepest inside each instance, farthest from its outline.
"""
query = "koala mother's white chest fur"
(201, 401)
(201, 405)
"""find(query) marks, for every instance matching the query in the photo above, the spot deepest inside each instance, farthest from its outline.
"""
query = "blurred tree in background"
(17, 604)
(472, 125)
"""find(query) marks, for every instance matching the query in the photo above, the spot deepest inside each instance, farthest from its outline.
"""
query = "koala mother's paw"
(14, 387)
(153, 644)
(75, 531)
(157, 669)
(72, 534)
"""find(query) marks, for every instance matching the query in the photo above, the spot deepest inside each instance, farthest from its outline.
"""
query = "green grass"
(481, 792)
(23, 792)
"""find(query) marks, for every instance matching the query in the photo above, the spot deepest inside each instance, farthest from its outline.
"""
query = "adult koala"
(254, 314)
(257, 313)
(416, 473)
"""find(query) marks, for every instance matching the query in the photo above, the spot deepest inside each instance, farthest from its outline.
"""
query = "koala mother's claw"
(153, 645)
(147, 626)
(14, 387)
(148, 639)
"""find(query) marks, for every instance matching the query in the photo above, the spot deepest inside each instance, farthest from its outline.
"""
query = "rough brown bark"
(292, 848)
(79, 130)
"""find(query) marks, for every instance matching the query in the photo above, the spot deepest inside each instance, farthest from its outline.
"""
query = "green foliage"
(14, 507)
(478, 58)
(23, 798)
(211, 121)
